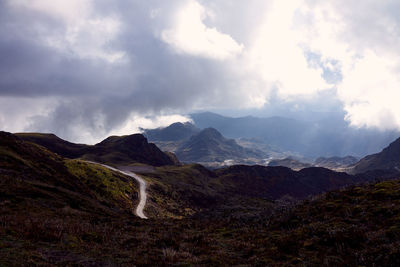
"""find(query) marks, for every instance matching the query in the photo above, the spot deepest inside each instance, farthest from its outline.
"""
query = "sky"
(86, 69)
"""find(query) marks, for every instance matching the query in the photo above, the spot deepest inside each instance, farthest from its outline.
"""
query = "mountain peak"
(133, 139)
(387, 159)
(393, 149)
(210, 133)
(174, 132)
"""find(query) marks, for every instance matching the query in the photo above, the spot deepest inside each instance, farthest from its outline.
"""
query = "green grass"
(108, 185)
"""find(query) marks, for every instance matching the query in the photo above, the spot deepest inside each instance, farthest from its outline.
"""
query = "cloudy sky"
(85, 69)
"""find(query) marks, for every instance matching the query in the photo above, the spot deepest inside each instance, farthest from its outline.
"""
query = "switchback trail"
(142, 188)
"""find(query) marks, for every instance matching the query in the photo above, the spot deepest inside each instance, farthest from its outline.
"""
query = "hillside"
(117, 150)
(55, 144)
(387, 159)
(120, 150)
(35, 177)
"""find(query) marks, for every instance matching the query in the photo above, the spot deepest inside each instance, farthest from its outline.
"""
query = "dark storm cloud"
(153, 79)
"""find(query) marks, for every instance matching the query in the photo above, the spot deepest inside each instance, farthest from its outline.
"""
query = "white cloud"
(365, 43)
(190, 35)
(371, 92)
(18, 113)
(278, 54)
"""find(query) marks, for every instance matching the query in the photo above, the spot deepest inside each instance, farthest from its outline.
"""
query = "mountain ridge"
(387, 159)
(209, 145)
(317, 138)
(122, 150)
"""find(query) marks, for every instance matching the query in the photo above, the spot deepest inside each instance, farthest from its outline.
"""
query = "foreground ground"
(357, 226)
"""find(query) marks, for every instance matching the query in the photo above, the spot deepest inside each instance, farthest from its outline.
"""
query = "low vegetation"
(55, 211)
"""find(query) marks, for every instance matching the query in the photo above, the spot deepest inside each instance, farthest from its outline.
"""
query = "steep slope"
(119, 150)
(32, 176)
(210, 146)
(387, 159)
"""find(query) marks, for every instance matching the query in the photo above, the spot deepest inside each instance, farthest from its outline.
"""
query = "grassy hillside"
(55, 144)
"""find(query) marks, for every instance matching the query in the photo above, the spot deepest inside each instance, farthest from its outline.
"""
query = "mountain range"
(206, 146)
(210, 148)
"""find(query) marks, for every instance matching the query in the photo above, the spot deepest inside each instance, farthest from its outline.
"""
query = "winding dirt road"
(142, 188)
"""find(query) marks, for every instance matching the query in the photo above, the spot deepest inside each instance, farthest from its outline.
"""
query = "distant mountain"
(210, 146)
(327, 137)
(120, 150)
(335, 162)
(387, 159)
(278, 131)
(175, 132)
(294, 164)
